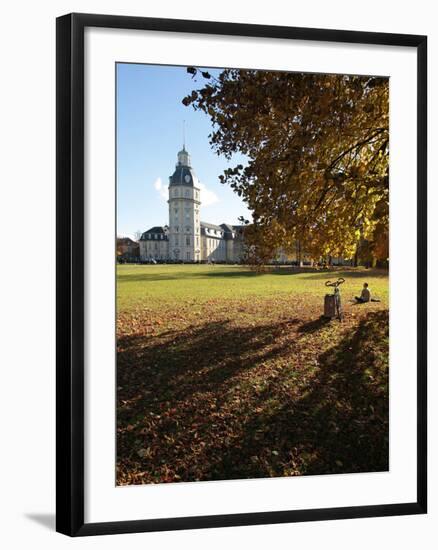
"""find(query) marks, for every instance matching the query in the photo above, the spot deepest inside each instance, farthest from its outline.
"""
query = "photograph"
(252, 273)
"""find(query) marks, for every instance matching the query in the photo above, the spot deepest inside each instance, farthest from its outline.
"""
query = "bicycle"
(336, 298)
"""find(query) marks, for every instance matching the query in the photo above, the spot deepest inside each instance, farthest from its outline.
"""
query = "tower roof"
(157, 230)
(184, 173)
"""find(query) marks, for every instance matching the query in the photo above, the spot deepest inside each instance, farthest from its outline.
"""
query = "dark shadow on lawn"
(190, 373)
(187, 275)
(196, 359)
(175, 391)
(340, 425)
(245, 273)
(313, 326)
(350, 274)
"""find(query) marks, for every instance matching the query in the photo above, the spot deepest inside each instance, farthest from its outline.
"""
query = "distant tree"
(120, 248)
(138, 234)
(318, 148)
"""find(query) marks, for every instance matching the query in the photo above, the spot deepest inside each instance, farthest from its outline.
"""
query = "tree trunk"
(355, 259)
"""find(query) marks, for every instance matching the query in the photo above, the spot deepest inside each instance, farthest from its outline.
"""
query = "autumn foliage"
(318, 156)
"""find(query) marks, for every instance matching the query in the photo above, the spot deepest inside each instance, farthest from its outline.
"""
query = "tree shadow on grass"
(185, 275)
(216, 401)
(178, 364)
(340, 423)
(353, 273)
(192, 273)
(314, 325)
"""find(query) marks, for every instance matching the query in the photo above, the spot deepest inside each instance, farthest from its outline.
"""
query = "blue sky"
(149, 135)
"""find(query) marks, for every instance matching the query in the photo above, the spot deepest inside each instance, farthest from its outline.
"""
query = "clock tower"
(184, 212)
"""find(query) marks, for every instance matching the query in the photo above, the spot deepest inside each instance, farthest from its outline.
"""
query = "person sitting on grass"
(365, 296)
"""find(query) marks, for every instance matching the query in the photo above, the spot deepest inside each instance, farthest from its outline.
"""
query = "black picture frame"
(70, 273)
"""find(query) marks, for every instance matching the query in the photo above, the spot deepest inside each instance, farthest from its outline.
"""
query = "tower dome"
(184, 173)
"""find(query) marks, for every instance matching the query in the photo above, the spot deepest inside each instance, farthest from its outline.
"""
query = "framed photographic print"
(241, 274)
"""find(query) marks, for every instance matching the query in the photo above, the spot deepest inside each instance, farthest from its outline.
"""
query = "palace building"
(186, 238)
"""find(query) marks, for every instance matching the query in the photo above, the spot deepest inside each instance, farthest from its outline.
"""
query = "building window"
(176, 241)
(188, 241)
(187, 193)
(176, 210)
(188, 255)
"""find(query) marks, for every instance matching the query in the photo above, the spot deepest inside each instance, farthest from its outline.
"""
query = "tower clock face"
(187, 178)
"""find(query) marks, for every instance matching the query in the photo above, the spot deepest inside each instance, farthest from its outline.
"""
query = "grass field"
(224, 373)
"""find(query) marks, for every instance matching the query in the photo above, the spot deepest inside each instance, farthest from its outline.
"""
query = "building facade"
(186, 238)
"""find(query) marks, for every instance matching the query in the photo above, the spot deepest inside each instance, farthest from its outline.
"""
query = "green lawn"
(224, 373)
(140, 285)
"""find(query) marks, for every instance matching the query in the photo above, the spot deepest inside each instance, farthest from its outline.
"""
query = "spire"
(183, 155)
(184, 135)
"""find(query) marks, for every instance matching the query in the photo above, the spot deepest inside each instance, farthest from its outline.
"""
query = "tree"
(317, 149)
